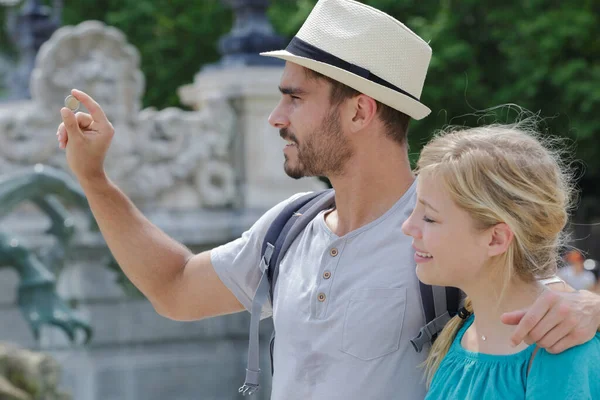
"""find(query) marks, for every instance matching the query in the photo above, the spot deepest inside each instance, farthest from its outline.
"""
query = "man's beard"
(324, 152)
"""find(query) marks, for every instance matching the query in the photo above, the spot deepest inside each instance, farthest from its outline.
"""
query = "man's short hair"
(396, 122)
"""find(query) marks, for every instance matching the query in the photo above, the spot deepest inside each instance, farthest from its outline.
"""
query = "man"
(347, 299)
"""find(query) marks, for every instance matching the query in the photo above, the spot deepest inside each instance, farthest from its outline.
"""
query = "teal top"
(572, 374)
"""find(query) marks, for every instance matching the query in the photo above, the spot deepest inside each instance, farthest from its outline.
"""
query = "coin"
(72, 103)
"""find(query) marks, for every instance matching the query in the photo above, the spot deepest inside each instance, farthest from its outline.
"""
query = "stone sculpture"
(36, 293)
(167, 158)
(28, 375)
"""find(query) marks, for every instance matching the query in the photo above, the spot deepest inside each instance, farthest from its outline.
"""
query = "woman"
(492, 203)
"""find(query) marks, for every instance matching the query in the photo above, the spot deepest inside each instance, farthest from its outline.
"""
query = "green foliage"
(543, 55)
(175, 37)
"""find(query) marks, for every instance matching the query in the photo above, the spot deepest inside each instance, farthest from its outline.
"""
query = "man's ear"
(501, 236)
(364, 110)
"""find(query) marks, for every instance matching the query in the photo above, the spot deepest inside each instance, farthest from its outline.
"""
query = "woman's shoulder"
(572, 372)
(589, 351)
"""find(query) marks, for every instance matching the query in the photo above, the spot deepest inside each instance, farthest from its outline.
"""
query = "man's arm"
(179, 285)
(559, 319)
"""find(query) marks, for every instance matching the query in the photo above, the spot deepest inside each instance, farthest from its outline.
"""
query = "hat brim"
(390, 97)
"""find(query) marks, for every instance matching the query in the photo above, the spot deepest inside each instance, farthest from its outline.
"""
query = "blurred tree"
(543, 55)
(174, 37)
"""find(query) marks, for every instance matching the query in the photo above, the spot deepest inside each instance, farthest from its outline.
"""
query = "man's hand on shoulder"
(557, 320)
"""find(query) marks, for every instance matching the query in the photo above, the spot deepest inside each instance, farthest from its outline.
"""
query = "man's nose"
(278, 119)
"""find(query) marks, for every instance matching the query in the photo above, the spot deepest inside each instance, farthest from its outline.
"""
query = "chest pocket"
(373, 322)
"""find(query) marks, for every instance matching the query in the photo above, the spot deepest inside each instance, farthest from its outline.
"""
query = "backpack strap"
(281, 233)
(440, 304)
(306, 211)
(262, 291)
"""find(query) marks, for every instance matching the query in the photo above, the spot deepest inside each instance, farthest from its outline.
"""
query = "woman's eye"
(428, 220)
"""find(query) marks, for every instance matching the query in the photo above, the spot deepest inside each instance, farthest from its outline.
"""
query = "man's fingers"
(554, 317)
(71, 125)
(84, 120)
(94, 108)
(555, 335)
(534, 315)
(513, 317)
(565, 343)
(61, 132)
(61, 135)
(74, 125)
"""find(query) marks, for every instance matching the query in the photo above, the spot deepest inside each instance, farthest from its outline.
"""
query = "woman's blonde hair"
(509, 174)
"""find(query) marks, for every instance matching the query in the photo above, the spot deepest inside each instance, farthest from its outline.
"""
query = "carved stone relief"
(172, 158)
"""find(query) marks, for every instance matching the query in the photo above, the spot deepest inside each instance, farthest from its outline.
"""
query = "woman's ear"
(501, 236)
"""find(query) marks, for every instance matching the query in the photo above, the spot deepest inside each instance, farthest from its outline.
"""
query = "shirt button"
(321, 297)
(327, 275)
(333, 252)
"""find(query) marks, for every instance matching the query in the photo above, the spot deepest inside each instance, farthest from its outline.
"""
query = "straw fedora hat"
(363, 48)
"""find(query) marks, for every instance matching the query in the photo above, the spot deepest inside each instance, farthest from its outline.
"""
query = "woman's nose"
(409, 227)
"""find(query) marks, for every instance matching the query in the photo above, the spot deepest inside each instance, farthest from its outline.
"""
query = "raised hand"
(86, 138)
